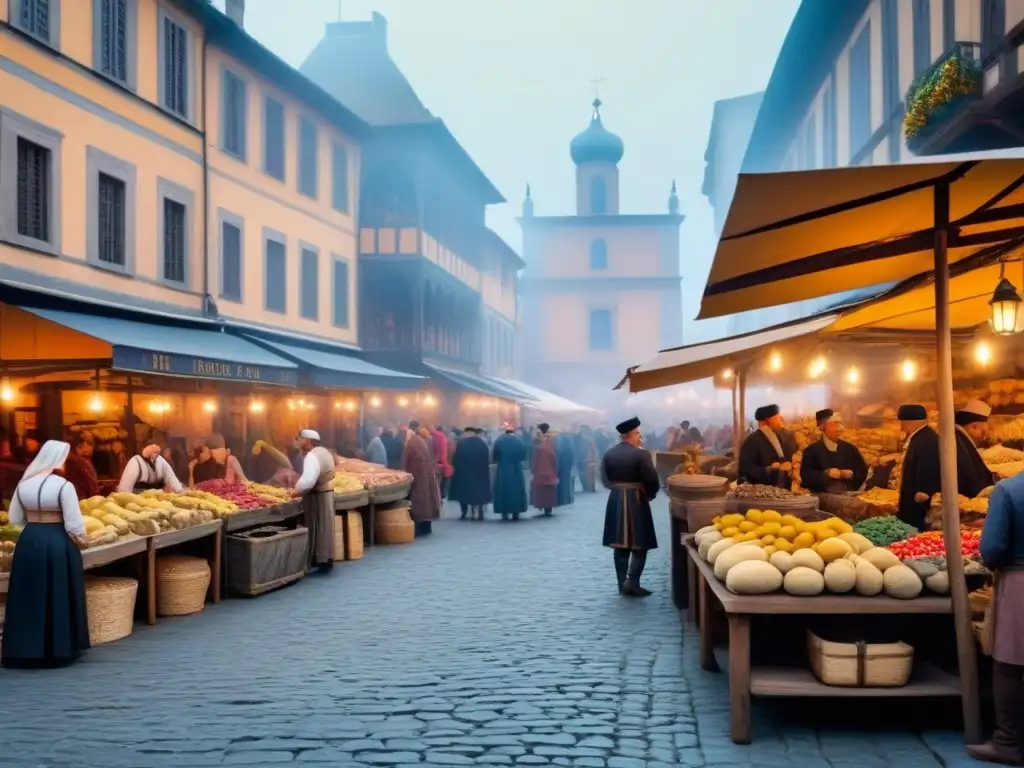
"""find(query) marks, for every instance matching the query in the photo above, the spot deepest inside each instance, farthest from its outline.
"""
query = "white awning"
(547, 402)
(711, 358)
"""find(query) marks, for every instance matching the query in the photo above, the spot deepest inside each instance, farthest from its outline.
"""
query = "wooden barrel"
(354, 534)
(688, 488)
(394, 526)
(701, 512)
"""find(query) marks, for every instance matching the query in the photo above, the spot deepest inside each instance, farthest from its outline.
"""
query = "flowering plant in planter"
(953, 78)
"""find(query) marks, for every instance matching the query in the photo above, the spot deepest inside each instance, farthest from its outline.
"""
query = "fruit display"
(885, 499)
(931, 543)
(775, 532)
(1000, 454)
(884, 530)
(236, 493)
(371, 475)
(269, 493)
(757, 491)
(347, 482)
(972, 511)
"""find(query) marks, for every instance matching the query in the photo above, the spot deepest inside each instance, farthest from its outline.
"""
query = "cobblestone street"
(484, 644)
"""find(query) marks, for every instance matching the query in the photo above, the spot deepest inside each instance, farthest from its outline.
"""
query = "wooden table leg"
(739, 677)
(707, 635)
(373, 524)
(677, 563)
(150, 583)
(693, 603)
(218, 545)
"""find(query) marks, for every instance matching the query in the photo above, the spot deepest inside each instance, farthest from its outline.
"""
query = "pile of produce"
(836, 560)
(691, 461)
(757, 491)
(972, 511)
(236, 493)
(269, 492)
(1000, 454)
(8, 538)
(122, 514)
(931, 544)
(883, 531)
(346, 482)
(884, 498)
(371, 475)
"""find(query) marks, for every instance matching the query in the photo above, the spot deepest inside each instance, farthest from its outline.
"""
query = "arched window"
(598, 195)
(599, 254)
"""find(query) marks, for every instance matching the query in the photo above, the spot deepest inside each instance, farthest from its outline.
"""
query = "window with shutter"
(599, 254)
(231, 268)
(33, 193)
(276, 278)
(233, 115)
(307, 157)
(113, 41)
(339, 179)
(309, 284)
(601, 330)
(273, 138)
(174, 241)
(175, 67)
(340, 293)
(112, 220)
(36, 18)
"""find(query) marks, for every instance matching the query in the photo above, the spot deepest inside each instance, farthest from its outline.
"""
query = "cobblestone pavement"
(484, 644)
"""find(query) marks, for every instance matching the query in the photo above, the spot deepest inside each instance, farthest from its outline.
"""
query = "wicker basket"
(110, 605)
(394, 526)
(354, 534)
(181, 584)
(339, 537)
(860, 665)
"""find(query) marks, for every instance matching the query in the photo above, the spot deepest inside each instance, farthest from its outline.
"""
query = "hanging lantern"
(1004, 308)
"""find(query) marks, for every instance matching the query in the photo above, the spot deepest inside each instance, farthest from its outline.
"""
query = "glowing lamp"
(727, 374)
(6, 393)
(852, 376)
(1004, 309)
(982, 353)
(429, 401)
(817, 367)
(256, 406)
(350, 406)
(908, 370)
(210, 406)
(775, 362)
(403, 402)
(375, 402)
(95, 404)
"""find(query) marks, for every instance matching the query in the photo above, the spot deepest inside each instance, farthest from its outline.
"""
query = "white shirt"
(139, 470)
(310, 473)
(47, 492)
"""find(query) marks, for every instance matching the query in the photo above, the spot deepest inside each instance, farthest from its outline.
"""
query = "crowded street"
(483, 644)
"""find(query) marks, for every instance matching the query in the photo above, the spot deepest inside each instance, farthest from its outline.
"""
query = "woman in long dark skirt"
(46, 623)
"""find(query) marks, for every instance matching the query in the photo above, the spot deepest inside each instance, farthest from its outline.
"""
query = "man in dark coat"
(471, 465)
(831, 465)
(586, 459)
(920, 476)
(972, 474)
(508, 456)
(565, 451)
(763, 458)
(393, 447)
(544, 470)
(628, 473)
(425, 495)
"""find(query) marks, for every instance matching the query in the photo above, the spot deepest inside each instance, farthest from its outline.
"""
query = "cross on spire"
(339, 10)
(597, 81)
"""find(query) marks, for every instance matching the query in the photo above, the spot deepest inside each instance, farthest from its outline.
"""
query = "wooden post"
(967, 661)
(742, 433)
(735, 415)
(132, 443)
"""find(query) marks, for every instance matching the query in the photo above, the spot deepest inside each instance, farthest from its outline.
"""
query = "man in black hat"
(920, 476)
(629, 474)
(831, 465)
(972, 474)
(764, 458)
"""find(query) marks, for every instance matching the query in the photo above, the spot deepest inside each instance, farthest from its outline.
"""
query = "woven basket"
(860, 665)
(354, 534)
(181, 584)
(394, 526)
(339, 537)
(110, 605)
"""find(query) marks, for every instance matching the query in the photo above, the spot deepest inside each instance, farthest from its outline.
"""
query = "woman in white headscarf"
(46, 624)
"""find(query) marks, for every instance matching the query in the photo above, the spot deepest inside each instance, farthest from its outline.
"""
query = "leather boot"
(1007, 745)
(632, 587)
(621, 565)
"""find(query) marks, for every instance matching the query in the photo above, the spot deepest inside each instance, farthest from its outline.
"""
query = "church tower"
(602, 290)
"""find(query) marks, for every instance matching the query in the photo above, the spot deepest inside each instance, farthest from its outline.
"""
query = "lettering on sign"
(161, 363)
(215, 369)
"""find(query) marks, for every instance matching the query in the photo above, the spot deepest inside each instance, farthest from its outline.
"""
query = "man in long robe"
(832, 465)
(316, 487)
(586, 459)
(376, 452)
(565, 451)
(425, 496)
(763, 459)
(393, 446)
(628, 473)
(920, 476)
(508, 455)
(972, 474)
(79, 469)
(544, 470)
(471, 464)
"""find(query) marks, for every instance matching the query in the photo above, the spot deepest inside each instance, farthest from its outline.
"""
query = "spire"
(673, 199)
(527, 204)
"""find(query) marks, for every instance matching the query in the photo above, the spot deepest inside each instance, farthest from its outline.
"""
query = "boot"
(480, 514)
(621, 565)
(465, 511)
(1006, 747)
(631, 587)
(515, 516)
(547, 511)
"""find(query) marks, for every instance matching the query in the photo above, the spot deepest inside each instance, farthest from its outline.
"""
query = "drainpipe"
(207, 299)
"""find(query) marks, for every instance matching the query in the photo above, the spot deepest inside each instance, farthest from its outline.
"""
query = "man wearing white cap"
(316, 487)
(972, 475)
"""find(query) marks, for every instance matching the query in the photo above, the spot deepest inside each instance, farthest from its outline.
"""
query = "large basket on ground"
(266, 558)
(697, 487)
(353, 535)
(860, 664)
(394, 524)
(339, 537)
(110, 606)
(181, 585)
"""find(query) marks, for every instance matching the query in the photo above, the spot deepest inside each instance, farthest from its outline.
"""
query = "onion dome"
(596, 144)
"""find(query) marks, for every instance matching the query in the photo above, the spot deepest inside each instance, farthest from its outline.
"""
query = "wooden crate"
(265, 559)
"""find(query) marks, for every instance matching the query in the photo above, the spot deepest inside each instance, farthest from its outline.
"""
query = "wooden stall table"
(745, 681)
(172, 538)
(251, 518)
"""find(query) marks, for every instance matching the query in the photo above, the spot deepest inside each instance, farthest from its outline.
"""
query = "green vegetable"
(882, 531)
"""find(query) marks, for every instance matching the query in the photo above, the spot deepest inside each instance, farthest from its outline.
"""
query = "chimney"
(235, 10)
(376, 29)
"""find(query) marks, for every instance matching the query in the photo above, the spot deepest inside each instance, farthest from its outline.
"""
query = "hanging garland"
(957, 77)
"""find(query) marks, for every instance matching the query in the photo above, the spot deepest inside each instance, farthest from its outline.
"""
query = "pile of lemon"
(779, 533)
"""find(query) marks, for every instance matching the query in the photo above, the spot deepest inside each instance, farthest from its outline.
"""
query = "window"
(599, 254)
(175, 206)
(175, 69)
(829, 150)
(39, 18)
(276, 294)
(890, 61)
(339, 179)
(948, 23)
(233, 115)
(30, 165)
(309, 283)
(810, 148)
(601, 337)
(273, 138)
(993, 28)
(922, 35)
(231, 238)
(110, 210)
(111, 224)
(860, 91)
(340, 298)
(114, 39)
(307, 157)
(598, 195)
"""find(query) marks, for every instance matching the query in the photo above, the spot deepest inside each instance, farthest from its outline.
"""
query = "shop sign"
(144, 361)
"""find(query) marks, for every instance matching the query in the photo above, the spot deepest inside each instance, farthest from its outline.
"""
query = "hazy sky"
(512, 80)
